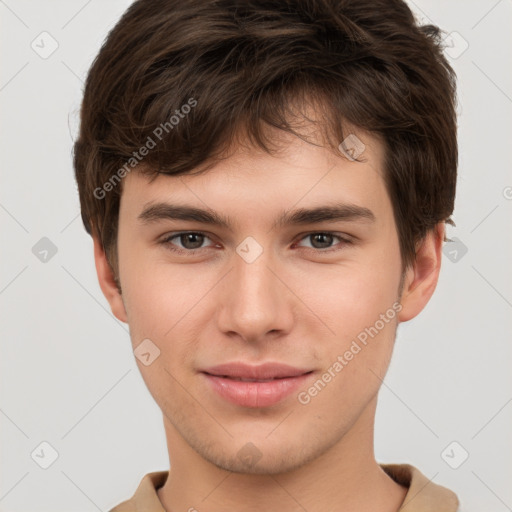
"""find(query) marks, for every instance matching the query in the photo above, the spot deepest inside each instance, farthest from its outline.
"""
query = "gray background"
(68, 375)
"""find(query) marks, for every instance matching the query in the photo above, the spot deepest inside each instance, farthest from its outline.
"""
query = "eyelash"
(168, 244)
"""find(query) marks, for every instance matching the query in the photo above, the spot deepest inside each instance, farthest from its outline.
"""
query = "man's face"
(253, 293)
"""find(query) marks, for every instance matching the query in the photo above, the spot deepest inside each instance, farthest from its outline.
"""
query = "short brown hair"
(247, 63)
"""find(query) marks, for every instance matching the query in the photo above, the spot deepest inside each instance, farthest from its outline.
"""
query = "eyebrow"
(154, 212)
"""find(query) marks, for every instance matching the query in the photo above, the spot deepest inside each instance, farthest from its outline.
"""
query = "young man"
(267, 186)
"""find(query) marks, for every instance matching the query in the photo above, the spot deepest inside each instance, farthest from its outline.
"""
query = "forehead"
(249, 181)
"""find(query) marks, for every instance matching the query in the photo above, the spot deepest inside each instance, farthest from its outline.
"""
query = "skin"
(294, 304)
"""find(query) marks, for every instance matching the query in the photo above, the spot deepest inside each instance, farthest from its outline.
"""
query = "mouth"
(255, 386)
(248, 380)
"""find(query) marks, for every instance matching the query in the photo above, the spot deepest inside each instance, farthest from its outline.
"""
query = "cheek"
(354, 298)
(359, 304)
(158, 310)
(353, 366)
(161, 302)
(155, 294)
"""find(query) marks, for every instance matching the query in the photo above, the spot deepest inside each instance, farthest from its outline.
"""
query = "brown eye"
(191, 240)
(185, 242)
(323, 242)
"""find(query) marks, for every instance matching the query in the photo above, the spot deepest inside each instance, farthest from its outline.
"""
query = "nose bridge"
(254, 300)
(254, 284)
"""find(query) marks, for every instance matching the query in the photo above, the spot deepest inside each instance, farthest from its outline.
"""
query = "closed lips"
(243, 379)
(255, 386)
(261, 373)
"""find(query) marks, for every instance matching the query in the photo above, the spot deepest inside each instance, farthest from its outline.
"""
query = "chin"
(263, 457)
(264, 466)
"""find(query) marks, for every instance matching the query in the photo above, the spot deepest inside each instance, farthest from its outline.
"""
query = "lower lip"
(256, 394)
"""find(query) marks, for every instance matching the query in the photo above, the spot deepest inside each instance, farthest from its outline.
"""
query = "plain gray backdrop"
(69, 379)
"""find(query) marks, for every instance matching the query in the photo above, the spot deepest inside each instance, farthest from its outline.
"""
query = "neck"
(345, 478)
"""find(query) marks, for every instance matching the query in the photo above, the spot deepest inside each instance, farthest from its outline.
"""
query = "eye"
(323, 240)
(190, 241)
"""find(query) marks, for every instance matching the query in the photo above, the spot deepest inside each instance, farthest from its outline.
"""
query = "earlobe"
(107, 282)
(421, 278)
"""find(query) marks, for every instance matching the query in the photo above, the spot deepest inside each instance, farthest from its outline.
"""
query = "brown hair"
(185, 78)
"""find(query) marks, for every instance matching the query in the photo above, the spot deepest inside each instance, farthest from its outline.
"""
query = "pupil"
(329, 238)
(190, 237)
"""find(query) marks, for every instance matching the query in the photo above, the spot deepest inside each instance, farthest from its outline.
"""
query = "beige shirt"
(423, 495)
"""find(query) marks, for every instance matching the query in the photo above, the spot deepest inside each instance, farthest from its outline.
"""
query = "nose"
(255, 301)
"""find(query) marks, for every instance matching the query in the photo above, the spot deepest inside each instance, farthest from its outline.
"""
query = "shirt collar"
(423, 494)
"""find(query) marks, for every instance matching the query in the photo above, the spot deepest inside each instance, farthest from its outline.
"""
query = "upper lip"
(261, 371)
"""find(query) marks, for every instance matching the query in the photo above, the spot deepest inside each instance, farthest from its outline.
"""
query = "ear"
(421, 278)
(107, 282)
